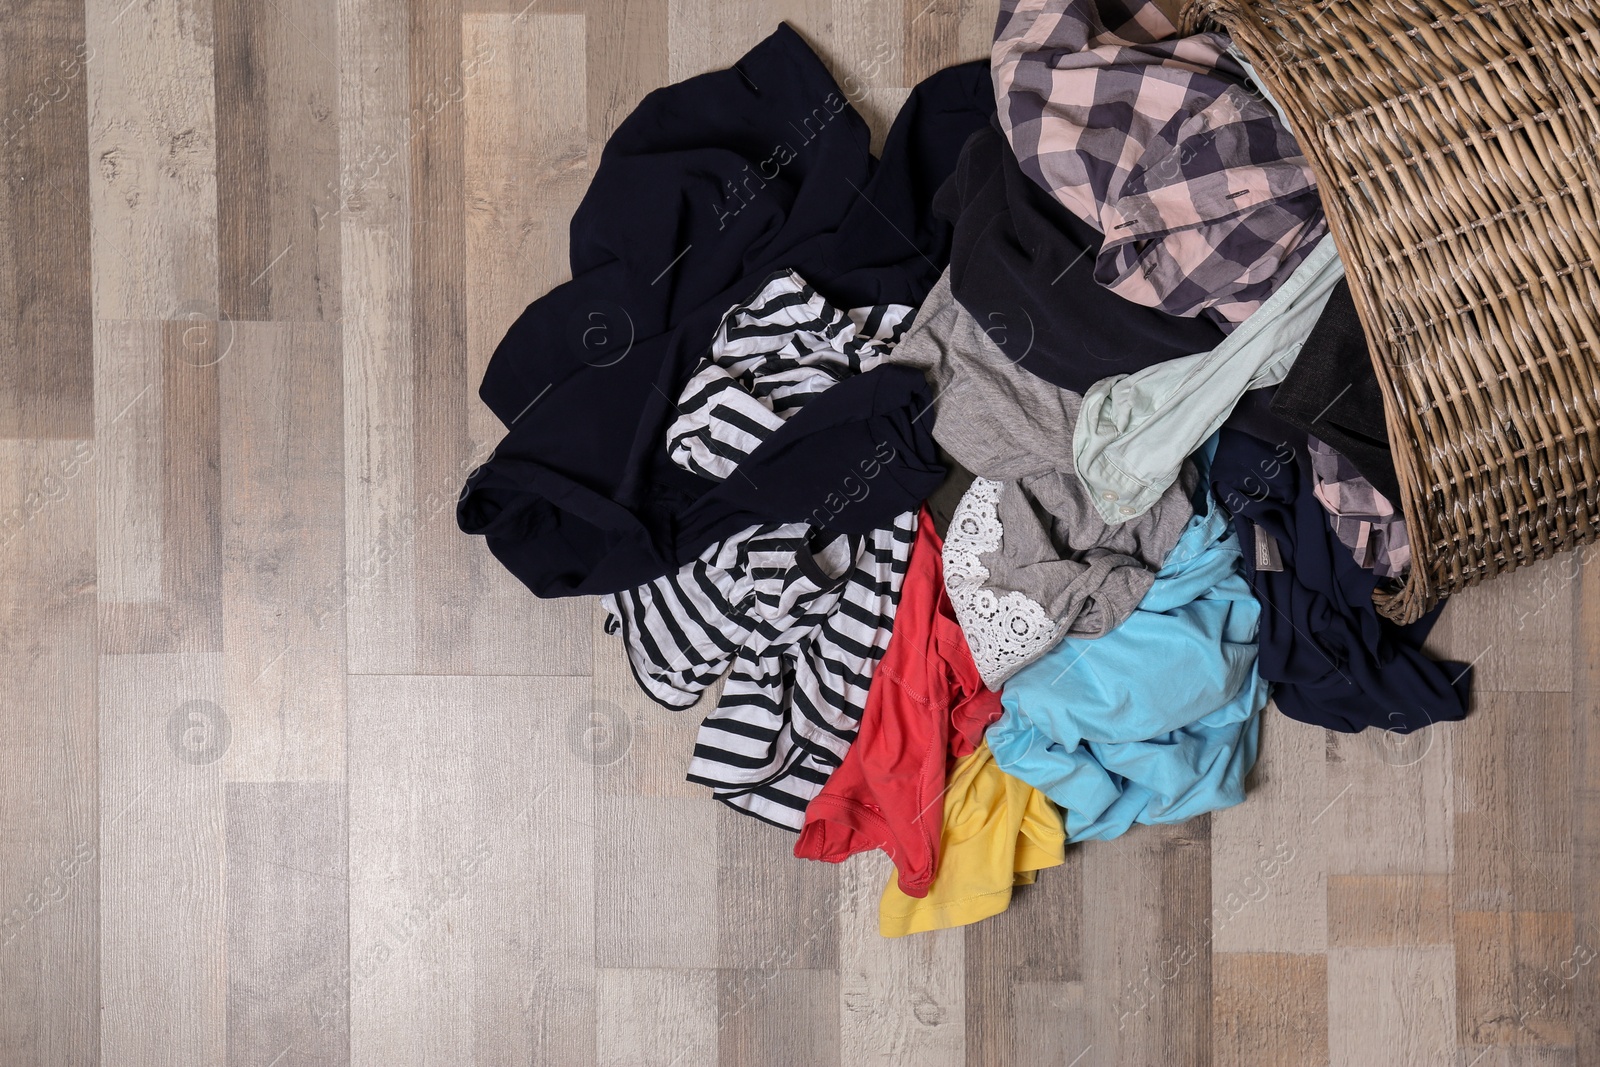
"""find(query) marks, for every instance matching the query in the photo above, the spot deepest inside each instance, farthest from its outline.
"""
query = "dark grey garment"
(1332, 393)
(1028, 560)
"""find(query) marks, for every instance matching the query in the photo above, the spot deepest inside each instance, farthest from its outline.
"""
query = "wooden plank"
(1271, 1009)
(277, 106)
(283, 552)
(784, 1017)
(666, 848)
(1515, 1056)
(1513, 818)
(438, 329)
(532, 926)
(243, 59)
(188, 617)
(288, 924)
(1147, 946)
(1391, 1005)
(527, 165)
(939, 33)
(1038, 940)
(303, 137)
(472, 885)
(1389, 806)
(1389, 812)
(656, 1017)
(522, 7)
(1370, 911)
(1268, 856)
(903, 999)
(49, 833)
(164, 983)
(126, 459)
(1585, 814)
(152, 159)
(1512, 984)
(1047, 1026)
(703, 35)
(381, 494)
(46, 318)
(416, 860)
(868, 49)
(777, 912)
(191, 555)
(1182, 873)
(379, 486)
(1516, 630)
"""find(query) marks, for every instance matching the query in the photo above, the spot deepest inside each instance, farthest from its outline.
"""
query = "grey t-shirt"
(1028, 559)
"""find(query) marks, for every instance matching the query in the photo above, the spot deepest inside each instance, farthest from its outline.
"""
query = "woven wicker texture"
(1455, 146)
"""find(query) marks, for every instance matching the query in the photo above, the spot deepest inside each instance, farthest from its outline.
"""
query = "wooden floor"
(292, 773)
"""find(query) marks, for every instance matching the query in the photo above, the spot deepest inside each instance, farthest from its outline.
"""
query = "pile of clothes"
(1002, 478)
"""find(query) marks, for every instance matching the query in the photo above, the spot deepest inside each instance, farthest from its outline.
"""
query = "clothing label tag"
(1268, 558)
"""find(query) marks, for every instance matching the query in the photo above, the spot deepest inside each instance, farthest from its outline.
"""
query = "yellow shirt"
(997, 832)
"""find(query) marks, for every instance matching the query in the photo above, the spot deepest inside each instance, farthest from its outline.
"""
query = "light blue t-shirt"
(1158, 720)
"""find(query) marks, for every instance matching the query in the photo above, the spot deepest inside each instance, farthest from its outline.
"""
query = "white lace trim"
(1004, 631)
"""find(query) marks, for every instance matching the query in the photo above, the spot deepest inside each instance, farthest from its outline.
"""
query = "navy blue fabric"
(1332, 659)
(709, 186)
(1023, 266)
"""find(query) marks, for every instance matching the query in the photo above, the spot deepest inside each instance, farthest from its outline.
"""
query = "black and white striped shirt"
(798, 616)
(769, 356)
(802, 616)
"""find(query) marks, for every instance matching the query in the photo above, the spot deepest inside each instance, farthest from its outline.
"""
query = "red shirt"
(926, 707)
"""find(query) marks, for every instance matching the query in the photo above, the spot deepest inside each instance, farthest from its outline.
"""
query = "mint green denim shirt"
(1135, 430)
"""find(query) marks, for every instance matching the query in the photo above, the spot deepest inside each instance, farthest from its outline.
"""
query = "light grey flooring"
(292, 773)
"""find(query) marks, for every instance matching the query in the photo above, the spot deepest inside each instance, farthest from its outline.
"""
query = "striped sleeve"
(770, 356)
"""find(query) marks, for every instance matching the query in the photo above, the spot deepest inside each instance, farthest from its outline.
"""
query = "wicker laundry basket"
(1455, 145)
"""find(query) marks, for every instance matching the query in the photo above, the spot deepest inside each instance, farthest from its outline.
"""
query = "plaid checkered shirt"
(1362, 518)
(1162, 142)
